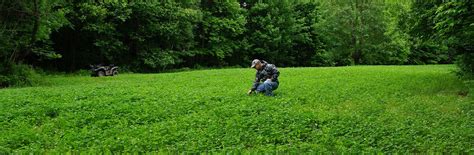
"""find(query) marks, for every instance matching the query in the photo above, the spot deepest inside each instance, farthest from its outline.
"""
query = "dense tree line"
(152, 36)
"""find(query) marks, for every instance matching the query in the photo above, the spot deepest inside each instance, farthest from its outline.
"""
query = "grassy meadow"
(327, 109)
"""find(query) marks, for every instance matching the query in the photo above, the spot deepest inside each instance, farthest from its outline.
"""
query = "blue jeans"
(267, 87)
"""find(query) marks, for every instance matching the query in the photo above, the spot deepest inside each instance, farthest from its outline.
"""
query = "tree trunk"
(34, 31)
(353, 33)
(357, 45)
(358, 53)
(37, 16)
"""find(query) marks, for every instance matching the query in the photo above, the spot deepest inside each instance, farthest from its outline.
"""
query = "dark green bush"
(17, 75)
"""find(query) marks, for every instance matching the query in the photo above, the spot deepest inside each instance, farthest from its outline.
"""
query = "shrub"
(17, 75)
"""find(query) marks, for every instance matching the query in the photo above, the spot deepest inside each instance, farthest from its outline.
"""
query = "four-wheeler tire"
(100, 73)
(115, 72)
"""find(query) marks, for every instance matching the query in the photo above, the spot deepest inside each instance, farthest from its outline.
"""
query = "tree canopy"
(153, 36)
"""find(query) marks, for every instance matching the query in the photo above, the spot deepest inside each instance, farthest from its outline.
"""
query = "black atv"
(103, 70)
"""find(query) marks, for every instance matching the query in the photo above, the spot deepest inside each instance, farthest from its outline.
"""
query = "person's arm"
(256, 82)
(254, 85)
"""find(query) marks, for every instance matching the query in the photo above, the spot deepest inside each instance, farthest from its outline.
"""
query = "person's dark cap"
(254, 62)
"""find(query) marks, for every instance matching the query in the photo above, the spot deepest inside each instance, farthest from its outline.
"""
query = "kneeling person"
(267, 73)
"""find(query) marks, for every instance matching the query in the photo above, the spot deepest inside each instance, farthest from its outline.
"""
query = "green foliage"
(283, 32)
(454, 21)
(142, 36)
(310, 47)
(25, 28)
(419, 25)
(222, 29)
(409, 109)
(363, 32)
(160, 39)
(154, 36)
(270, 34)
(17, 75)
